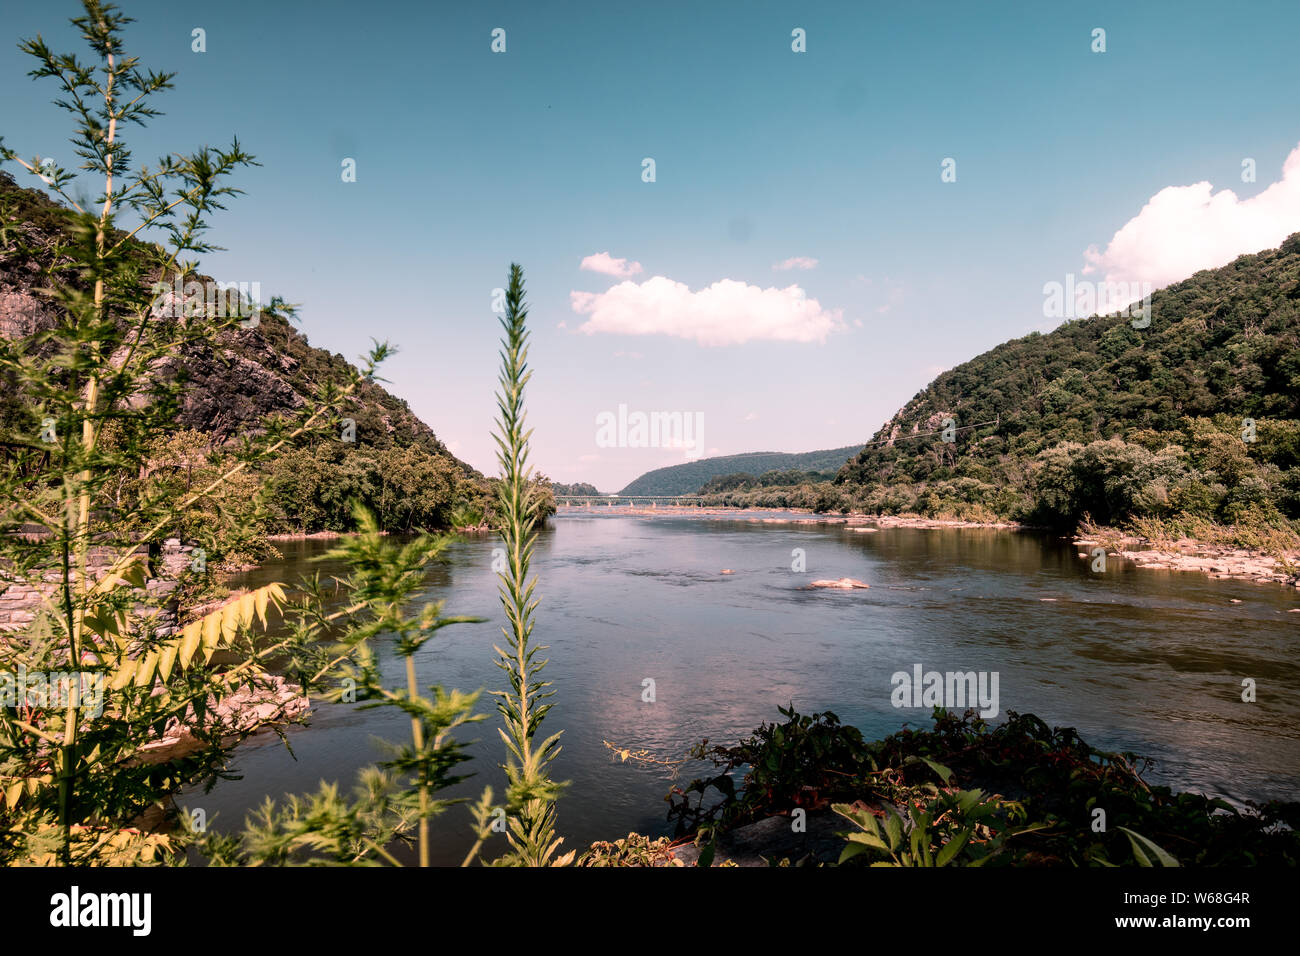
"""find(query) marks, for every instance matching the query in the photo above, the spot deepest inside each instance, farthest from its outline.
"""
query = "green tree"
(74, 772)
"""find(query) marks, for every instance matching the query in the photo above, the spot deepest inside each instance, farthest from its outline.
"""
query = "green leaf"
(943, 772)
(868, 839)
(1142, 846)
(850, 851)
(951, 848)
(863, 818)
(920, 840)
(894, 828)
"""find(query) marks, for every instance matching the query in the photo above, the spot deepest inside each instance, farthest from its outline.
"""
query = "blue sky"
(467, 160)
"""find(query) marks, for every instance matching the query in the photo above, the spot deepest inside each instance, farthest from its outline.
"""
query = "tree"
(74, 769)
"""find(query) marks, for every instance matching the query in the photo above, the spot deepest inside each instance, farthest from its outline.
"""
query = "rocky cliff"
(251, 373)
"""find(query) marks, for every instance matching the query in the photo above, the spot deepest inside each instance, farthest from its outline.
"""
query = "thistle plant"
(398, 796)
(530, 792)
(91, 387)
(92, 392)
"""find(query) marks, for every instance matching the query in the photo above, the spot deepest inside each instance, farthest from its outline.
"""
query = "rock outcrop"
(246, 711)
(255, 368)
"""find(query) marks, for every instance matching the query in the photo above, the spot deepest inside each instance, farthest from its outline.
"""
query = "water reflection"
(1136, 660)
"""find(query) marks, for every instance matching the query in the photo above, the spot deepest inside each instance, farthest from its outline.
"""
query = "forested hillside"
(383, 456)
(687, 478)
(1196, 415)
(576, 488)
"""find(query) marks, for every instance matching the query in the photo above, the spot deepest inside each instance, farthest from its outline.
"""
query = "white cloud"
(751, 417)
(796, 262)
(1183, 229)
(726, 313)
(606, 264)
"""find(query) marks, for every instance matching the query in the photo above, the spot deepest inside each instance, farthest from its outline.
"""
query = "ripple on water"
(1134, 661)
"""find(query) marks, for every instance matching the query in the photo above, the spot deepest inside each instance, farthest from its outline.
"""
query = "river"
(1135, 659)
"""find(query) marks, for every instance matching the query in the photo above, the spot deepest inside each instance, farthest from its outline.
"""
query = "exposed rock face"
(244, 712)
(23, 314)
(20, 601)
(253, 370)
(228, 391)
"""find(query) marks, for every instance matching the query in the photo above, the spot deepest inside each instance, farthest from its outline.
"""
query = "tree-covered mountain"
(576, 488)
(1195, 417)
(382, 455)
(689, 477)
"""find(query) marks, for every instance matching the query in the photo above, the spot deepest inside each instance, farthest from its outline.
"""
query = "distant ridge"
(686, 478)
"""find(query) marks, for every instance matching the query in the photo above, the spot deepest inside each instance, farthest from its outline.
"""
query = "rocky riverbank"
(248, 710)
(1218, 561)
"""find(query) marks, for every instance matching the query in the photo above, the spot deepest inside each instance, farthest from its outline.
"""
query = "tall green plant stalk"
(67, 778)
(530, 792)
(383, 579)
(402, 793)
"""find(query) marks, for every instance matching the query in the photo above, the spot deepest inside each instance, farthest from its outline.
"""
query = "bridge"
(609, 501)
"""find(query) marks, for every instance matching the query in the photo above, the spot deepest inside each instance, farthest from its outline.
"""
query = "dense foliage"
(227, 386)
(968, 794)
(685, 479)
(577, 488)
(1101, 418)
(782, 478)
(1188, 427)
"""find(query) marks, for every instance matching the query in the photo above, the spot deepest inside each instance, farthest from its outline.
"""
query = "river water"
(1139, 660)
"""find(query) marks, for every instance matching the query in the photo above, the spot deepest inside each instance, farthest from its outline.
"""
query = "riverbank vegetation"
(104, 460)
(962, 794)
(124, 425)
(247, 379)
(1192, 422)
(577, 488)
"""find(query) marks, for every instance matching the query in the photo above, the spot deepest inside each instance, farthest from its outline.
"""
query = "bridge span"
(610, 501)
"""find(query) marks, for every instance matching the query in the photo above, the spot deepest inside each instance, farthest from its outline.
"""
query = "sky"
(825, 230)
